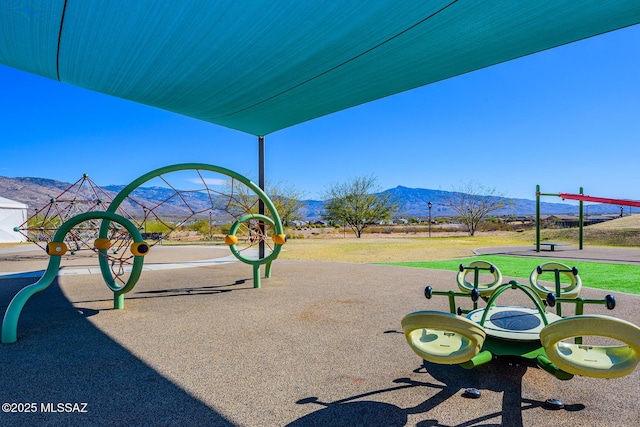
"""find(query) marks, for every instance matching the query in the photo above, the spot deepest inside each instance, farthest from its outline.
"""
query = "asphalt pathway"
(320, 344)
(570, 252)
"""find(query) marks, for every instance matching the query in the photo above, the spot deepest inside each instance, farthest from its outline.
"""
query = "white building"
(12, 214)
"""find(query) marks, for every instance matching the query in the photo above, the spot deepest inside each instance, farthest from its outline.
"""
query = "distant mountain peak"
(37, 192)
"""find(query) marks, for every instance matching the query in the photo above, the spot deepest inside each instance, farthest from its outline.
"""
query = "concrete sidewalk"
(320, 344)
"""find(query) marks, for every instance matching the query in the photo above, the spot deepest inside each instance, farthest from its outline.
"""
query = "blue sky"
(564, 118)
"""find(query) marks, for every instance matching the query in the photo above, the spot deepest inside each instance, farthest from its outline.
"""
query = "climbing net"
(184, 205)
(81, 196)
(167, 204)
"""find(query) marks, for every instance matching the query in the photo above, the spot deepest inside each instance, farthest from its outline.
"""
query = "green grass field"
(612, 277)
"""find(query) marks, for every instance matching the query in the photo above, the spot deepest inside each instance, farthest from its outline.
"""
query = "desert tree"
(473, 202)
(357, 204)
(285, 197)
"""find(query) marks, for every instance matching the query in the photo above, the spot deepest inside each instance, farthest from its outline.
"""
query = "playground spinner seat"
(592, 360)
(525, 331)
(571, 290)
(443, 338)
(475, 267)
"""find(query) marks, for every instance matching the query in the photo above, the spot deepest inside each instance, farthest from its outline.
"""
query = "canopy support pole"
(581, 234)
(261, 184)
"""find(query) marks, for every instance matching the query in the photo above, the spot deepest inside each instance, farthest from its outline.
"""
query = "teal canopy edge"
(261, 66)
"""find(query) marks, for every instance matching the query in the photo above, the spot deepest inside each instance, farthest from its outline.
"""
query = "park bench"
(552, 245)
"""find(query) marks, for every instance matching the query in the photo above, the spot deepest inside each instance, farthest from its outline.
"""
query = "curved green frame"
(476, 267)
(557, 268)
(10, 321)
(533, 296)
(234, 228)
(275, 221)
(526, 350)
(255, 262)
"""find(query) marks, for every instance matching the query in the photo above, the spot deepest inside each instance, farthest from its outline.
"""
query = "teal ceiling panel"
(263, 65)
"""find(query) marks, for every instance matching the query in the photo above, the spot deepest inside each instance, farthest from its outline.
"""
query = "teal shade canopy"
(263, 65)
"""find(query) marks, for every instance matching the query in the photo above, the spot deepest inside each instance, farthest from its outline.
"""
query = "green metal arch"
(234, 228)
(201, 166)
(275, 217)
(513, 284)
(10, 321)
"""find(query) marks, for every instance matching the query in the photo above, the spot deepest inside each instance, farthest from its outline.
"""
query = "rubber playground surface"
(320, 344)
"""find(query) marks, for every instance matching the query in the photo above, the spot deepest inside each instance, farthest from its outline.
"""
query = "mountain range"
(413, 202)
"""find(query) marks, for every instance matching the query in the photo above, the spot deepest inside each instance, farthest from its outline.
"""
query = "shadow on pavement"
(67, 360)
(502, 376)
